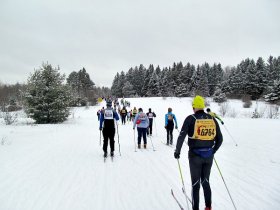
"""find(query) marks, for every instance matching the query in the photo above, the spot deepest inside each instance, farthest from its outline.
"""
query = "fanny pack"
(204, 152)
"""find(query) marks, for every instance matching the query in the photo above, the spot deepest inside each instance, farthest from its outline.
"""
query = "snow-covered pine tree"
(274, 95)
(163, 87)
(261, 72)
(153, 86)
(115, 88)
(251, 80)
(47, 98)
(215, 76)
(138, 79)
(147, 77)
(127, 90)
(201, 81)
(219, 96)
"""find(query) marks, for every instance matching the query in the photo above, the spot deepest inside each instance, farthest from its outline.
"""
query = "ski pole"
(155, 126)
(230, 135)
(118, 139)
(184, 190)
(225, 184)
(134, 140)
(152, 143)
(100, 138)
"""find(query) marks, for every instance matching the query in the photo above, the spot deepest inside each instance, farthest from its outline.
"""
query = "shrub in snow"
(224, 107)
(47, 98)
(10, 117)
(247, 103)
(273, 112)
(256, 114)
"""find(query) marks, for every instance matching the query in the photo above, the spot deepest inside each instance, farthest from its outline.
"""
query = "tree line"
(257, 79)
(48, 94)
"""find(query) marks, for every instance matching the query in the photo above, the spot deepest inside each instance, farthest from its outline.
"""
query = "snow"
(60, 166)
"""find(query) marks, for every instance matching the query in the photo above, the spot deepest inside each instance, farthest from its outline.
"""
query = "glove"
(222, 122)
(176, 155)
(176, 127)
(133, 128)
(100, 129)
(165, 127)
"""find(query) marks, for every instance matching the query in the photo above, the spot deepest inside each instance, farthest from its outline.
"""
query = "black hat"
(140, 110)
(109, 103)
(208, 110)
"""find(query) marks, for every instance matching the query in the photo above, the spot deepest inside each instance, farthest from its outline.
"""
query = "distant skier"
(107, 122)
(151, 116)
(170, 118)
(98, 114)
(128, 116)
(204, 139)
(134, 112)
(213, 114)
(123, 113)
(142, 122)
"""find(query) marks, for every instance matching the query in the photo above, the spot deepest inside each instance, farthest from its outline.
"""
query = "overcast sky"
(110, 36)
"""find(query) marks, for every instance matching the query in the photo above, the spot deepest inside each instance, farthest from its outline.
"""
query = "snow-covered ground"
(60, 167)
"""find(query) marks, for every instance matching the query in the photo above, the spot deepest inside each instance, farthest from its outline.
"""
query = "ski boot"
(105, 154)
(208, 208)
(112, 154)
(145, 146)
(139, 146)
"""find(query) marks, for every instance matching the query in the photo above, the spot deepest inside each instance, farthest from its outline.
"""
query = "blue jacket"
(174, 118)
(143, 119)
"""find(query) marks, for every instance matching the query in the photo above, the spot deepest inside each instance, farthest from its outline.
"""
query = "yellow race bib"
(204, 129)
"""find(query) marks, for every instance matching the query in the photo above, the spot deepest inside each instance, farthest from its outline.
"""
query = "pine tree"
(153, 86)
(128, 90)
(219, 96)
(274, 95)
(47, 99)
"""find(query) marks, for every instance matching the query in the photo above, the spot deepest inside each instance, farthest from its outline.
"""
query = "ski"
(186, 195)
(172, 193)
(169, 145)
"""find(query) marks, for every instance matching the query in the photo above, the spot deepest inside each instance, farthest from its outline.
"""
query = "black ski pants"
(169, 135)
(150, 128)
(200, 169)
(109, 134)
(142, 132)
(123, 119)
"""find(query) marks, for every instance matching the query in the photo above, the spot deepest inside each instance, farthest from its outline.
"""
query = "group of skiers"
(204, 139)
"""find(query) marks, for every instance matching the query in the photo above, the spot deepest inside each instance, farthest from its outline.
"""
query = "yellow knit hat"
(198, 102)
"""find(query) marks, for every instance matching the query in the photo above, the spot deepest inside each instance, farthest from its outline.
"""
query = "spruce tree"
(47, 98)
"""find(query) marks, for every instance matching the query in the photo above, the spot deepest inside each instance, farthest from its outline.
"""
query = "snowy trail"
(60, 167)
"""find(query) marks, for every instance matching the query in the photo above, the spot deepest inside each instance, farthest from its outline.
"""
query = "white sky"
(109, 36)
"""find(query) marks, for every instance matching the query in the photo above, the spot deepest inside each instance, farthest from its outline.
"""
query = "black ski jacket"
(188, 129)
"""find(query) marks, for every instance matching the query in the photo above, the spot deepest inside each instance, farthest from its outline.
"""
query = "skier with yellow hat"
(204, 139)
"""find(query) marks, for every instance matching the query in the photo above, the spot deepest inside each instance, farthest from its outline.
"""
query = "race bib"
(142, 117)
(151, 115)
(204, 129)
(108, 114)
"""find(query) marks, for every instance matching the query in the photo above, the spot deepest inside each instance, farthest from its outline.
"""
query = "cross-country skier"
(170, 118)
(204, 139)
(142, 122)
(107, 122)
(123, 113)
(151, 116)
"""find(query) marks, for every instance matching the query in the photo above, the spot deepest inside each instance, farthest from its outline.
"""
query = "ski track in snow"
(61, 167)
